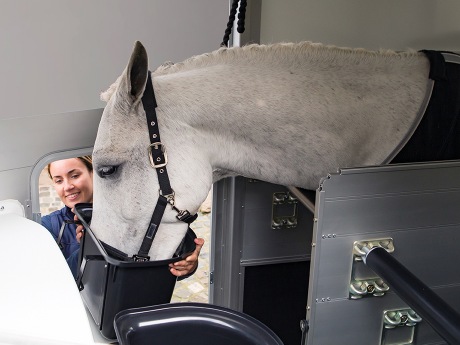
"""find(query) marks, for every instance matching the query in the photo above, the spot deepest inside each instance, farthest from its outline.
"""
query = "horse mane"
(272, 54)
(278, 52)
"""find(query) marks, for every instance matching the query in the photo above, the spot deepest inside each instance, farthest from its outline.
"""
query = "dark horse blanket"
(437, 137)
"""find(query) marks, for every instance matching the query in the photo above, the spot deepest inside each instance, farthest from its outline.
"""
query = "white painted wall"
(372, 24)
(58, 55)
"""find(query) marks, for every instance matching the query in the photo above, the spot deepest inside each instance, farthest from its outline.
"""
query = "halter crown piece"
(158, 160)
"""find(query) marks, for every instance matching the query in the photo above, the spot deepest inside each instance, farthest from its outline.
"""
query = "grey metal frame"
(226, 244)
(243, 235)
(414, 205)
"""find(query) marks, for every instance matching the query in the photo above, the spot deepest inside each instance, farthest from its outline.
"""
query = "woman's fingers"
(190, 263)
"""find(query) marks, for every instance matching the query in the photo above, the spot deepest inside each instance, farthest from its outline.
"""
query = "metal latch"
(284, 211)
(364, 282)
(360, 288)
(361, 247)
(399, 326)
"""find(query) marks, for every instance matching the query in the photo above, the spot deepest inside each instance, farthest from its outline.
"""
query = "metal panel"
(346, 322)
(247, 253)
(243, 235)
(417, 206)
(261, 242)
(226, 288)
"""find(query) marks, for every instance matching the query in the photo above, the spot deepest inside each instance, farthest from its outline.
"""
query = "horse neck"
(227, 124)
(292, 125)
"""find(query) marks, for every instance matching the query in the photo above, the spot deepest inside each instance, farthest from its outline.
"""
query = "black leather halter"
(158, 160)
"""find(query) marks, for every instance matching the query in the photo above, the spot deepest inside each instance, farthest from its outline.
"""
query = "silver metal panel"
(226, 288)
(243, 236)
(417, 206)
(348, 322)
(262, 243)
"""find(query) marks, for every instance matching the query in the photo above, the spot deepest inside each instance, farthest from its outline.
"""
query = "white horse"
(285, 113)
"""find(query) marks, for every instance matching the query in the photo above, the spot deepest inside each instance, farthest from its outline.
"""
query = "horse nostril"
(106, 171)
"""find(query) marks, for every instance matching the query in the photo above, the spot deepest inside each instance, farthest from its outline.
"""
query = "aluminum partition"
(411, 211)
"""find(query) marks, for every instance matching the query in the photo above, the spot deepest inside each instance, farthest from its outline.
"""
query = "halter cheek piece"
(158, 160)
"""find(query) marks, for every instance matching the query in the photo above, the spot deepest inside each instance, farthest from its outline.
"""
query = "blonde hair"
(87, 161)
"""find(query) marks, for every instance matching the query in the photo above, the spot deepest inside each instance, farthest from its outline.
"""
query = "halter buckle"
(157, 145)
(169, 197)
(186, 217)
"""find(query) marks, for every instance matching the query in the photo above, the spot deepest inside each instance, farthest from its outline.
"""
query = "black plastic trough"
(109, 285)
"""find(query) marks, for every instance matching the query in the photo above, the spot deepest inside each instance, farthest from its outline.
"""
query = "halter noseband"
(158, 160)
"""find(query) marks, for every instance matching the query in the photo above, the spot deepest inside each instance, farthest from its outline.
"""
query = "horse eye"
(106, 170)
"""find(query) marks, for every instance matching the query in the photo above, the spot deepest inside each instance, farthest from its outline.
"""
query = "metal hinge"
(284, 211)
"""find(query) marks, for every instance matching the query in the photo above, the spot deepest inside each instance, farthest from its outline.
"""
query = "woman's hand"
(79, 230)
(189, 264)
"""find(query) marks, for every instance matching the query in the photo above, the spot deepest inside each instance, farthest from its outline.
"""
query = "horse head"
(126, 186)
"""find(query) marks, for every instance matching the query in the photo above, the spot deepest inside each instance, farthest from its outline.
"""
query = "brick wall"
(49, 200)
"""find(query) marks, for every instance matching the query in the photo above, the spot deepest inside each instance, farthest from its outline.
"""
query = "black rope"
(231, 19)
(241, 16)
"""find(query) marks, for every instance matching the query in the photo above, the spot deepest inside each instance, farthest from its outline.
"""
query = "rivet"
(154, 136)
(152, 123)
(158, 159)
(161, 171)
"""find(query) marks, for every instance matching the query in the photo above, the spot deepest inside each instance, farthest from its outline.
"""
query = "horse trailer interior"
(258, 228)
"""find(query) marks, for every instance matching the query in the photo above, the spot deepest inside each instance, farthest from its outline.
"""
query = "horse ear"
(136, 72)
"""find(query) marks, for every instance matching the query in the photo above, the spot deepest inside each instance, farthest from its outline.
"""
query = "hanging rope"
(231, 19)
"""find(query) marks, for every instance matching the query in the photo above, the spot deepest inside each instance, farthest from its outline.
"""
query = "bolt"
(370, 288)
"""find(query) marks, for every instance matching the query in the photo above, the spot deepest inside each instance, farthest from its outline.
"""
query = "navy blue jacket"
(69, 244)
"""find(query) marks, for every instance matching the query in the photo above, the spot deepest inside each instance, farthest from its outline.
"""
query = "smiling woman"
(72, 181)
